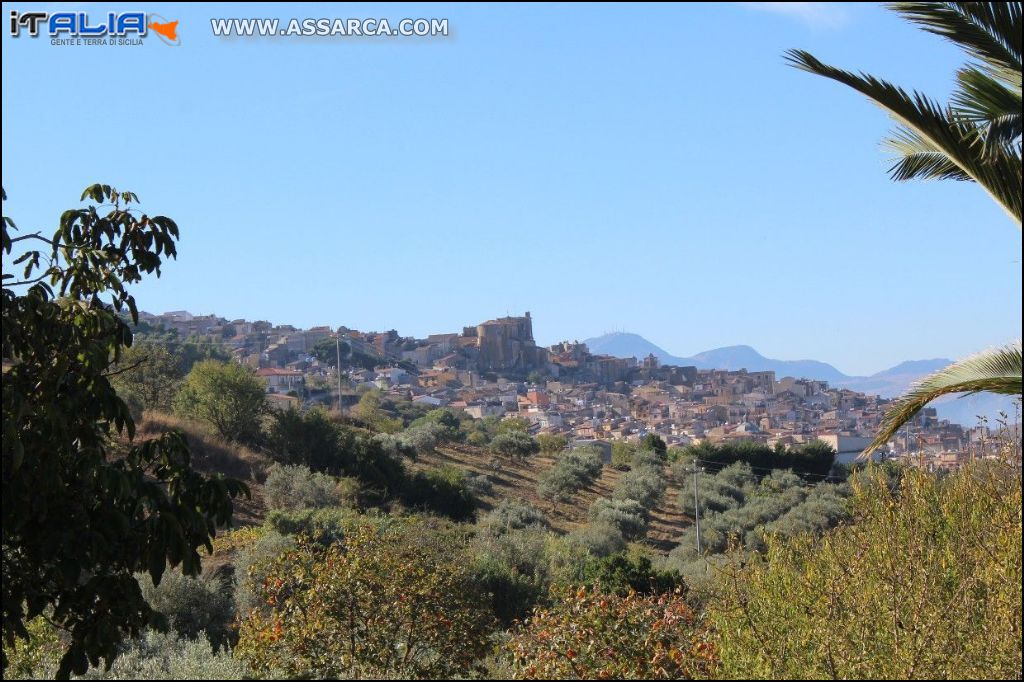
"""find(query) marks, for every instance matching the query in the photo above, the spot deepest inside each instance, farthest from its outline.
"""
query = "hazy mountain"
(624, 345)
(888, 383)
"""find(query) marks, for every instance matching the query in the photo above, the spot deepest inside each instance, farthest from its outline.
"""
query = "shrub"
(251, 567)
(644, 485)
(558, 484)
(315, 441)
(477, 438)
(733, 509)
(652, 442)
(823, 508)
(599, 538)
(677, 455)
(571, 473)
(448, 423)
(586, 461)
(511, 425)
(647, 459)
(157, 656)
(395, 446)
(237, 538)
(324, 525)
(588, 634)
(514, 444)
(631, 571)
(626, 515)
(511, 515)
(227, 395)
(296, 487)
(424, 437)
(479, 485)
(192, 606)
(739, 475)
(35, 657)
(443, 491)
(622, 454)
(925, 582)
(390, 600)
(551, 443)
(513, 568)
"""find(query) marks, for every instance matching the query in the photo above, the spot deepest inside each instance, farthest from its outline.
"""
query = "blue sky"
(651, 169)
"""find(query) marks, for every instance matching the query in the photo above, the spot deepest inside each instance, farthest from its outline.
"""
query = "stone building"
(506, 344)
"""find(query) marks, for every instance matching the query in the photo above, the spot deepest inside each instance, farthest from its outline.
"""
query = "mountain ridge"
(887, 383)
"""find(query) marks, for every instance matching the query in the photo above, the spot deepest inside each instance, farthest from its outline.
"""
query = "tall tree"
(147, 377)
(84, 508)
(975, 138)
(228, 396)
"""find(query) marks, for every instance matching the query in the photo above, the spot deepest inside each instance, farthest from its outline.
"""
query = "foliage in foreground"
(925, 583)
(193, 606)
(82, 511)
(591, 635)
(390, 599)
(164, 656)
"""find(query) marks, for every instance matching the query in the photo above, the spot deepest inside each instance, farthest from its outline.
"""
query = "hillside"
(518, 480)
(212, 455)
(514, 480)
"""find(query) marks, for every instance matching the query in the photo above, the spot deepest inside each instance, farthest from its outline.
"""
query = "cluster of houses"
(495, 369)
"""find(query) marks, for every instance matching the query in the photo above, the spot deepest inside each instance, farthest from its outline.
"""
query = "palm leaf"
(925, 120)
(916, 158)
(996, 371)
(988, 31)
(985, 101)
(983, 98)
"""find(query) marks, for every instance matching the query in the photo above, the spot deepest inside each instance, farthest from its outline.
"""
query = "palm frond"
(925, 119)
(982, 97)
(997, 371)
(1006, 131)
(916, 158)
(988, 31)
(989, 104)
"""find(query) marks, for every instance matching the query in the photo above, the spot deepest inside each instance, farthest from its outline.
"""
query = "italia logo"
(81, 25)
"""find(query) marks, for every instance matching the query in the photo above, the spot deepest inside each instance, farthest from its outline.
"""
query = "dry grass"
(211, 454)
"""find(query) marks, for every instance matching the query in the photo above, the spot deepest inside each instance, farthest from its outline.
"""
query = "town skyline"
(495, 368)
(546, 342)
(886, 384)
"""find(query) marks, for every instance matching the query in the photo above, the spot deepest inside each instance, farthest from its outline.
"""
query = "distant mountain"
(915, 367)
(624, 345)
(888, 383)
(895, 380)
(745, 357)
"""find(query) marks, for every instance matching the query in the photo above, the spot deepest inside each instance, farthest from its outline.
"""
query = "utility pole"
(337, 339)
(696, 503)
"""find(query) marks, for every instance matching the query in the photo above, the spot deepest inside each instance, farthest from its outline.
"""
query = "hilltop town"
(496, 368)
